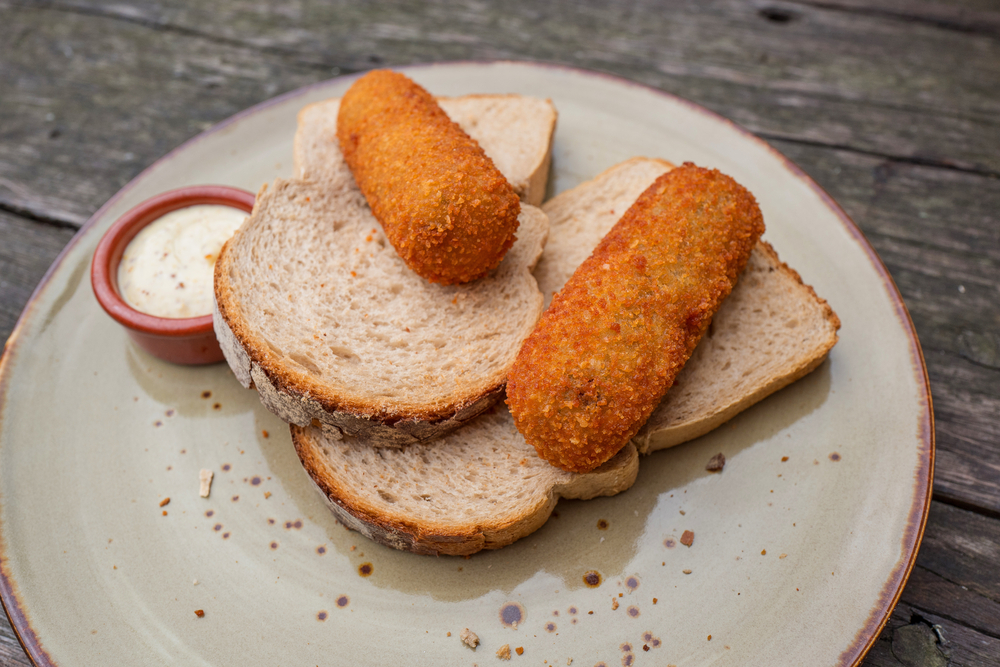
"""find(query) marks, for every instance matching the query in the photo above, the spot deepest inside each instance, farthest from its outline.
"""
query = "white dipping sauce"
(167, 268)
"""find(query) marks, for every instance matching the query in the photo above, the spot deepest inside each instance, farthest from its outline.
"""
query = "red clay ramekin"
(189, 340)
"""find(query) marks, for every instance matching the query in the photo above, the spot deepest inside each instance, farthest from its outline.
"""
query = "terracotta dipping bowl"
(189, 340)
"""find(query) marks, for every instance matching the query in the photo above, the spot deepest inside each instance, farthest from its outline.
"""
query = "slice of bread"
(483, 487)
(515, 131)
(316, 311)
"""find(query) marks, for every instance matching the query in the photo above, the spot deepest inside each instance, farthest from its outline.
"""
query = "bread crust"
(454, 538)
(300, 399)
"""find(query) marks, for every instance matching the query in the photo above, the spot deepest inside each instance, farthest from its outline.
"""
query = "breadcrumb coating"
(445, 207)
(615, 337)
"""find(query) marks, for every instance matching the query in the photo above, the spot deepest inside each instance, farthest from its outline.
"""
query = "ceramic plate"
(795, 561)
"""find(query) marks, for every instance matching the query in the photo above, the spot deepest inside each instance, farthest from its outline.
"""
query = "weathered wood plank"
(906, 79)
(125, 84)
(977, 16)
(958, 570)
(27, 250)
(907, 641)
(87, 103)
(789, 77)
(955, 585)
(11, 653)
(963, 548)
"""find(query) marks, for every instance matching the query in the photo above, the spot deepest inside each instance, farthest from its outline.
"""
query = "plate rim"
(916, 521)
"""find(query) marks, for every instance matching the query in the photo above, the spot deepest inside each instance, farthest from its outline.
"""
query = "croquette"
(615, 337)
(445, 207)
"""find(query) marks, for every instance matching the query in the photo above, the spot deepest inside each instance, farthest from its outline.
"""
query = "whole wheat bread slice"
(315, 310)
(515, 131)
(483, 487)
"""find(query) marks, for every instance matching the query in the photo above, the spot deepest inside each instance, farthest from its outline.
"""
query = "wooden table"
(893, 106)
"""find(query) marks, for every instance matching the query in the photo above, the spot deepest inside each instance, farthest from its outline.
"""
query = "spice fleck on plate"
(511, 614)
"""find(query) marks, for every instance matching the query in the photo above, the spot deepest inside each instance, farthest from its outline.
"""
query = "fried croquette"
(448, 211)
(617, 334)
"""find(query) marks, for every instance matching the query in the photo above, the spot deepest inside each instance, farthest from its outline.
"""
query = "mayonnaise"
(167, 268)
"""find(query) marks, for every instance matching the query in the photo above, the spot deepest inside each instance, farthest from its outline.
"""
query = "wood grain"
(824, 76)
(27, 250)
(955, 586)
(893, 106)
(93, 101)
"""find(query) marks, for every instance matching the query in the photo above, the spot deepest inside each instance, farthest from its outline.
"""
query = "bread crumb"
(784, 458)
(614, 604)
(504, 652)
(469, 638)
(686, 571)
(520, 650)
(164, 512)
(165, 501)
(199, 612)
(763, 552)
(687, 539)
(569, 661)
(195, 582)
(205, 482)
(683, 512)
(710, 638)
(654, 600)
(783, 556)
(265, 433)
(449, 634)
(716, 463)
(267, 494)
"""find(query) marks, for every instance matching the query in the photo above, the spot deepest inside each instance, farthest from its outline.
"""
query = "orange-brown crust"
(617, 334)
(409, 535)
(445, 207)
